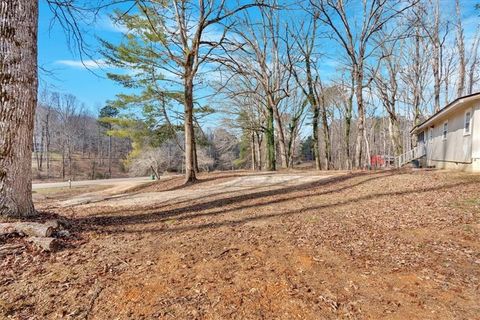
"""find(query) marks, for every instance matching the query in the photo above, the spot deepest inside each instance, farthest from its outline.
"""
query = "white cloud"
(90, 64)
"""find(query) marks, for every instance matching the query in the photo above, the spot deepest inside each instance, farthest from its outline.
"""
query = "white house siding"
(455, 152)
(476, 138)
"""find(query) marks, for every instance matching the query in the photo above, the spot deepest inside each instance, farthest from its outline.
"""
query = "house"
(450, 139)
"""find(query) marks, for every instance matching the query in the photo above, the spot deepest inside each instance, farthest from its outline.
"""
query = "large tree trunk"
(109, 157)
(348, 126)
(316, 149)
(416, 87)
(326, 135)
(70, 162)
(281, 138)
(446, 82)
(195, 157)
(270, 142)
(63, 164)
(361, 116)
(189, 133)
(18, 99)
(253, 151)
(312, 98)
(42, 142)
(293, 133)
(395, 134)
(259, 150)
(47, 141)
(367, 147)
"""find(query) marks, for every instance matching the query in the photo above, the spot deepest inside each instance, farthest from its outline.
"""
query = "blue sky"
(65, 70)
(67, 74)
(62, 69)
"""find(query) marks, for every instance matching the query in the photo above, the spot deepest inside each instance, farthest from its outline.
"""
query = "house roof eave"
(455, 104)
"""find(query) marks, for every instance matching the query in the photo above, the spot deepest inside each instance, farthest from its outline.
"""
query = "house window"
(467, 124)
(445, 130)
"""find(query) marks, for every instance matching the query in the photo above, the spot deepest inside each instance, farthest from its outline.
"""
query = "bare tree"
(223, 149)
(246, 111)
(357, 40)
(473, 62)
(295, 107)
(259, 60)
(341, 99)
(302, 63)
(264, 63)
(436, 30)
(416, 62)
(461, 51)
(387, 85)
(67, 111)
(448, 65)
(437, 55)
(156, 160)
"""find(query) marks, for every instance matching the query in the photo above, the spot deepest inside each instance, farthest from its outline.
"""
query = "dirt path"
(385, 245)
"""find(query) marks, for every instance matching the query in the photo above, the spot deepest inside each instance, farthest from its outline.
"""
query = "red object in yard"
(377, 161)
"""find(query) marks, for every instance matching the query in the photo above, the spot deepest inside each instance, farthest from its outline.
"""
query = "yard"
(240, 245)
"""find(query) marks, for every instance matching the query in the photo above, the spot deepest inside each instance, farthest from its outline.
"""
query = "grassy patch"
(467, 203)
(474, 202)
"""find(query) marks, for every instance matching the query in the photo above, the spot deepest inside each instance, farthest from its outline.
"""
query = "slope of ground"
(390, 245)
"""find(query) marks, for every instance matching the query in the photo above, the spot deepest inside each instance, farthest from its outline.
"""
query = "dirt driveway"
(384, 245)
(120, 196)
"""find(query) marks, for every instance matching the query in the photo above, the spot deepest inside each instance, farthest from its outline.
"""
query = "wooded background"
(262, 86)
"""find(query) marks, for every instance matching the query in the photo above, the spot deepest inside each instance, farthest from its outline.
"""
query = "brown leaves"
(358, 246)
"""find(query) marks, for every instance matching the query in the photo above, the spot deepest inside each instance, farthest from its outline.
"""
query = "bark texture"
(473, 63)
(315, 140)
(326, 134)
(416, 87)
(18, 98)
(270, 142)
(282, 145)
(190, 175)
(358, 74)
(461, 52)
(348, 124)
(436, 58)
(253, 151)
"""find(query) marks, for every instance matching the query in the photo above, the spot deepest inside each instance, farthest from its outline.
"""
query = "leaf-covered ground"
(389, 245)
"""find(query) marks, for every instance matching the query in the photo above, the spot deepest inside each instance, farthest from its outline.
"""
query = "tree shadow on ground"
(180, 185)
(224, 205)
(258, 217)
